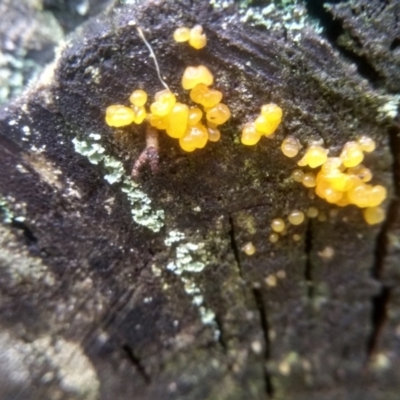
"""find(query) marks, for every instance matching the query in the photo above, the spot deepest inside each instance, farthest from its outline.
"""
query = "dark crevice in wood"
(30, 238)
(234, 245)
(221, 337)
(136, 362)
(333, 30)
(259, 300)
(378, 317)
(308, 267)
(381, 300)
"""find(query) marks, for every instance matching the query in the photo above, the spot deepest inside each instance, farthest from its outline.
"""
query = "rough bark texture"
(106, 295)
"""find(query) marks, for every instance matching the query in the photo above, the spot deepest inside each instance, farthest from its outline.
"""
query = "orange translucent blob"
(374, 215)
(195, 115)
(139, 114)
(213, 134)
(265, 126)
(278, 225)
(196, 137)
(352, 154)
(218, 114)
(158, 122)
(366, 143)
(195, 75)
(181, 34)
(177, 120)
(165, 100)
(314, 157)
(118, 115)
(272, 112)
(290, 146)
(202, 94)
(250, 136)
(197, 39)
(309, 180)
(138, 98)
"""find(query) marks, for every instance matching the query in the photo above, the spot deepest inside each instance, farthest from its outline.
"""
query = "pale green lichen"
(141, 210)
(5, 211)
(389, 110)
(190, 260)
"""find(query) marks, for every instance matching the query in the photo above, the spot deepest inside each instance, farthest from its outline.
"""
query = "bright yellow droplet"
(265, 126)
(314, 157)
(181, 34)
(197, 39)
(196, 137)
(352, 154)
(139, 113)
(218, 114)
(272, 112)
(366, 143)
(374, 215)
(118, 115)
(290, 146)
(177, 120)
(250, 136)
(165, 100)
(195, 115)
(296, 217)
(361, 172)
(138, 98)
(202, 94)
(278, 225)
(196, 75)
(158, 122)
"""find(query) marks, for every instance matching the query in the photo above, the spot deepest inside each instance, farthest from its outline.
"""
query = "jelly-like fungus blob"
(352, 154)
(196, 137)
(197, 39)
(158, 122)
(139, 114)
(290, 146)
(250, 135)
(265, 126)
(361, 172)
(309, 180)
(312, 212)
(296, 217)
(165, 100)
(195, 75)
(273, 237)
(213, 134)
(278, 225)
(178, 120)
(181, 34)
(249, 249)
(118, 115)
(374, 215)
(297, 175)
(202, 94)
(314, 157)
(366, 143)
(195, 115)
(218, 114)
(272, 112)
(138, 98)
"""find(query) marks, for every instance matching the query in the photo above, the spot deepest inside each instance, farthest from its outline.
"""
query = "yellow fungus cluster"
(340, 180)
(178, 119)
(264, 125)
(195, 36)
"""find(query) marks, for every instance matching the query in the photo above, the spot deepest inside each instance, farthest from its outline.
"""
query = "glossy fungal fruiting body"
(195, 36)
(264, 125)
(176, 118)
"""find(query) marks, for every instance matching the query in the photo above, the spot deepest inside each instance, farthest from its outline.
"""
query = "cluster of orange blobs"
(264, 125)
(340, 180)
(192, 126)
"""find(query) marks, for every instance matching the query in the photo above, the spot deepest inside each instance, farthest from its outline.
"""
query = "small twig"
(149, 154)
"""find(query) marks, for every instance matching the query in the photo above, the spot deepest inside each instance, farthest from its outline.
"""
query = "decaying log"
(113, 288)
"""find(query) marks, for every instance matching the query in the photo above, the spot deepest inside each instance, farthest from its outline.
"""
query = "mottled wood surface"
(92, 304)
